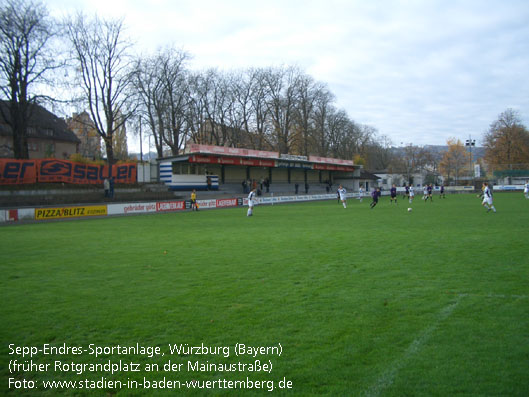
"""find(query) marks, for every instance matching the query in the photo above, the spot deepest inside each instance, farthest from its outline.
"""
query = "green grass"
(363, 302)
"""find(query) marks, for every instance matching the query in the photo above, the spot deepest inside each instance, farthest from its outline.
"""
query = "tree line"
(276, 108)
(280, 109)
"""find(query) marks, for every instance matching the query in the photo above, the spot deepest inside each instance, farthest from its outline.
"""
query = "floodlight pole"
(141, 152)
(470, 142)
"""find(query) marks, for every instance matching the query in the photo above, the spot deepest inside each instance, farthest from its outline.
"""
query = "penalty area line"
(387, 377)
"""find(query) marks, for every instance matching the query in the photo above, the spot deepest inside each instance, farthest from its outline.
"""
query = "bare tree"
(266, 109)
(210, 109)
(196, 113)
(323, 111)
(282, 86)
(260, 116)
(307, 92)
(410, 160)
(26, 32)
(104, 67)
(150, 97)
(241, 109)
(379, 153)
(177, 98)
(220, 102)
(337, 124)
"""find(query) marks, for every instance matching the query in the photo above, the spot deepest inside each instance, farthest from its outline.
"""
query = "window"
(176, 168)
(179, 168)
(50, 150)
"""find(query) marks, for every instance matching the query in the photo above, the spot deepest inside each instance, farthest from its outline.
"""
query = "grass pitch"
(363, 302)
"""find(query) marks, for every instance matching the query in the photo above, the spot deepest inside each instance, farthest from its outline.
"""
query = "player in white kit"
(251, 202)
(487, 197)
(342, 192)
(526, 189)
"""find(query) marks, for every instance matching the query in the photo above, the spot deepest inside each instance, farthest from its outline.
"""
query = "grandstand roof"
(249, 157)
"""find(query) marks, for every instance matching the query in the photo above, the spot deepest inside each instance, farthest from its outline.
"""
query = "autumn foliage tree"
(455, 160)
(507, 142)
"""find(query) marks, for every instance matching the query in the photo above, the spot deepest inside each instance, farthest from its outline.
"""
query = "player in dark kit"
(429, 196)
(393, 194)
(375, 195)
(407, 193)
(442, 191)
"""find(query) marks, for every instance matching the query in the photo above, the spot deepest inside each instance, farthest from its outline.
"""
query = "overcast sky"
(418, 71)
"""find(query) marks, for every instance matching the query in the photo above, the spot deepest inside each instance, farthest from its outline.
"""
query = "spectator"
(106, 186)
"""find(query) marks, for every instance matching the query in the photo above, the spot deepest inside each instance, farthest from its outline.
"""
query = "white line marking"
(387, 377)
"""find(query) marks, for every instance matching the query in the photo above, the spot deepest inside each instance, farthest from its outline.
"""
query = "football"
(409, 209)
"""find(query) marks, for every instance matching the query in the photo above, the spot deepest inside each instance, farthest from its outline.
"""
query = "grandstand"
(227, 168)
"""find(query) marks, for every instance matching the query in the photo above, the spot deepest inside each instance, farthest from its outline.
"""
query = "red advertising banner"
(231, 161)
(210, 149)
(52, 170)
(258, 163)
(202, 159)
(329, 160)
(226, 202)
(13, 172)
(332, 167)
(170, 206)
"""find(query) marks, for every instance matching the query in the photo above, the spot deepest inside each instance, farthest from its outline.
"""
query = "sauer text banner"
(53, 170)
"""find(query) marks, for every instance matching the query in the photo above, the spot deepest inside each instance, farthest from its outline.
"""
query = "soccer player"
(407, 192)
(487, 197)
(412, 194)
(429, 189)
(251, 202)
(360, 193)
(393, 194)
(194, 205)
(442, 192)
(342, 193)
(375, 195)
(425, 192)
(526, 189)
